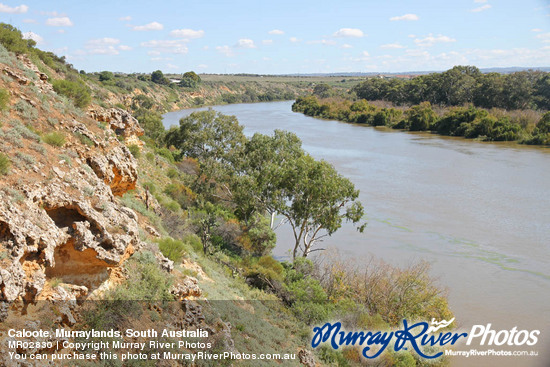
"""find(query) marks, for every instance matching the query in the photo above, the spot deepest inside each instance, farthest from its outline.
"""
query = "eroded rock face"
(120, 121)
(70, 229)
(117, 168)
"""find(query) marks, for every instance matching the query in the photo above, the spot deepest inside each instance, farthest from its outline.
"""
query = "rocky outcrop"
(117, 168)
(70, 229)
(187, 289)
(15, 74)
(42, 79)
(119, 120)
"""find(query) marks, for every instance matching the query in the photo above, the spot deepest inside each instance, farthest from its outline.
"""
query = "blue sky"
(287, 36)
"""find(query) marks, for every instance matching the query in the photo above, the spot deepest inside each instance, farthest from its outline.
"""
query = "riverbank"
(525, 127)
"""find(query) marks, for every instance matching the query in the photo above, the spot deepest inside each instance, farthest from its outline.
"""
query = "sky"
(285, 37)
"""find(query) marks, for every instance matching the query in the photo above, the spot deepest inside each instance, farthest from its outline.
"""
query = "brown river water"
(478, 212)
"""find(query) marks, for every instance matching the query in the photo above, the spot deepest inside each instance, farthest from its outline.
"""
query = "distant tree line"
(463, 85)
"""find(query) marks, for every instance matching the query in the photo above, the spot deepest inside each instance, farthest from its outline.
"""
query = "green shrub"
(37, 147)
(166, 153)
(145, 282)
(26, 110)
(28, 159)
(54, 138)
(134, 149)
(171, 205)
(172, 249)
(421, 117)
(4, 99)
(24, 131)
(12, 136)
(77, 91)
(172, 172)
(4, 164)
(105, 76)
(541, 133)
(193, 241)
(84, 139)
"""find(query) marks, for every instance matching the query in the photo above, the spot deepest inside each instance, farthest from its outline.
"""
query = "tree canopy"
(278, 176)
(269, 175)
(461, 85)
(190, 80)
(159, 78)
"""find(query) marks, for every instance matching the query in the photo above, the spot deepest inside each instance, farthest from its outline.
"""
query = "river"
(478, 212)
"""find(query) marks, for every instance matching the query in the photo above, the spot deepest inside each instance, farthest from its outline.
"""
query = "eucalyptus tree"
(277, 176)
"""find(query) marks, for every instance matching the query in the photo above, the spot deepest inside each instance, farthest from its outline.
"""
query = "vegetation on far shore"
(459, 102)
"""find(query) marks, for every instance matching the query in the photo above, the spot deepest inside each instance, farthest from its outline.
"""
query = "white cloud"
(245, 43)
(345, 45)
(59, 22)
(323, 42)
(153, 53)
(480, 1)
(153, 26)
(187, 33)
(293, 39)
(349, 32)
(391, 46)
(365, 54)
(481, 8)
(125, 19)
(102, 46)
(536, 30)
(124, 48)
(202, 66)
(430, 40)
(405, 17)
(168, 46)
(61, 31)
(225, 50)
(172, 66)
(276, 31)
(33, 21)
(267, 42)
(266, 58)
(16, 10)
(412, 36)
(33, 36)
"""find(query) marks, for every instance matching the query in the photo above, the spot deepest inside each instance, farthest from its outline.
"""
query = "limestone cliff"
(59, 216)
